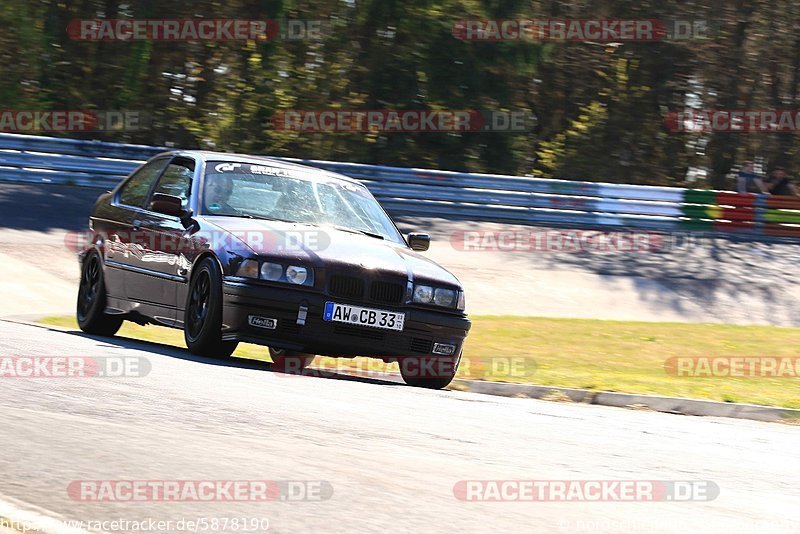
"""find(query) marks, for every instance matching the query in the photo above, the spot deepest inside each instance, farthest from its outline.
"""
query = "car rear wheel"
(91, 304)
(202, 325)
(287, 361)
(431, 372)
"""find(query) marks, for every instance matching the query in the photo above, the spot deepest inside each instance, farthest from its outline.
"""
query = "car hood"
(333, 250)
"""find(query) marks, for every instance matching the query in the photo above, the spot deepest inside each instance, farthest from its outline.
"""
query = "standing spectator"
(778, 183)
(748, 181)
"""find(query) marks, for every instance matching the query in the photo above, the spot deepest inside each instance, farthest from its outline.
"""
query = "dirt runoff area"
(530, 271)
(506, 269)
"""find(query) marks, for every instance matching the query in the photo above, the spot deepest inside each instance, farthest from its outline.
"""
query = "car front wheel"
(202, 325)
(91, 305)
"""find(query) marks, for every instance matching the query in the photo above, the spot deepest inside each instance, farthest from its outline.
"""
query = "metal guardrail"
(453, 195)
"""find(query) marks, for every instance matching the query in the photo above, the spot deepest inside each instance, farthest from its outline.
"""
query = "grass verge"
(618, 356)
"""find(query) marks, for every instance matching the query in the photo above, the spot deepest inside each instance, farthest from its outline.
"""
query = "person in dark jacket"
(779, 183)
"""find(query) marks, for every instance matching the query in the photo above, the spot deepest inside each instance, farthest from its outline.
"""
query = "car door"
(121, 227)
(164, 264)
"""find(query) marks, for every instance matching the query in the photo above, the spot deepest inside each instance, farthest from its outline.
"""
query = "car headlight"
(439, 296)
(271, 271)
(444, 297)
(423, 294)
(297, 275)
(462, 301)
(275, 272)
(248, 269)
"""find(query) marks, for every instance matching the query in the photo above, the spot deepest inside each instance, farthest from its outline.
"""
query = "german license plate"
(356, 315)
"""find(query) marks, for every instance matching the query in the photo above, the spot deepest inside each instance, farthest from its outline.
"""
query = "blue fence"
(452, 195)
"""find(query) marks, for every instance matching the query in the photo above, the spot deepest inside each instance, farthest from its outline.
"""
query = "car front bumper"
(308, 332)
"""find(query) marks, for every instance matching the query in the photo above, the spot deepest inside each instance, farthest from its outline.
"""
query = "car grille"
(380, 292)
(346, 286)
(288, 327)
(363, 333)
(387, 292)
(421, 345)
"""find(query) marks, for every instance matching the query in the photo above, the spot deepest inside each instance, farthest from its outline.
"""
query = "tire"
(202, 324)
(91, 304)
(430, 372)
(287, 361)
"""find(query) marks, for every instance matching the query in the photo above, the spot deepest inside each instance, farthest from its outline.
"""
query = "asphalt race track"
(389, 458)
(392, 454)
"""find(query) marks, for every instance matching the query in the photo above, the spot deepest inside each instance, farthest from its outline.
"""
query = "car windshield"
(293, 195)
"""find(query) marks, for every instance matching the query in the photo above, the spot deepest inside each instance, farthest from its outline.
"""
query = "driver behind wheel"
(218, 193)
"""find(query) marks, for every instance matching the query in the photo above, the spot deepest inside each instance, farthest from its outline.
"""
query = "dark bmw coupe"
(242, 248)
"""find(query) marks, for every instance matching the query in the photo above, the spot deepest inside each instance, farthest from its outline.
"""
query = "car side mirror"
(168, 205)
(420, 242)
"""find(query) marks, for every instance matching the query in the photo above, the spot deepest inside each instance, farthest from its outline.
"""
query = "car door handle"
(136, 224)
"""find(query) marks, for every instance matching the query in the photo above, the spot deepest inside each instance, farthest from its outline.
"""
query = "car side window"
(177, 180)
(134, 192)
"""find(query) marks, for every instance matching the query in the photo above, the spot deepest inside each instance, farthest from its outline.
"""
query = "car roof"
(206, 156)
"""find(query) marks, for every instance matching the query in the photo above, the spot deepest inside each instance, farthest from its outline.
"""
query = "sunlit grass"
(598, 355)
